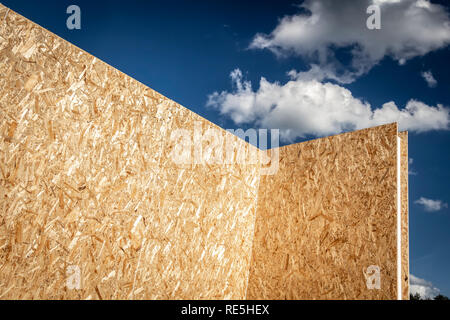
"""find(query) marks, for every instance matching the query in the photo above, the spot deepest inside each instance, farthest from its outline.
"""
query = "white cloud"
(410, 170)
(431, 205)
(428, 76)
(422, 287)
(304, 106)
(409, 28)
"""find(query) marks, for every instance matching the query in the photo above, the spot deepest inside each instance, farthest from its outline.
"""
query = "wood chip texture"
(87, 180)
(327, 215)
(404, 212)
(88, 183)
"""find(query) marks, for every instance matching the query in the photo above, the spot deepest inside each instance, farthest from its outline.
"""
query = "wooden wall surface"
(327, 215)
(405, 216)
(87, 179)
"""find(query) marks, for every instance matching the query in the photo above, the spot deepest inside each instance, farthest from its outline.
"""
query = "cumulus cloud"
(431, 205)
(409, 28)
(306, 107)
(422, 287)
(428, 76)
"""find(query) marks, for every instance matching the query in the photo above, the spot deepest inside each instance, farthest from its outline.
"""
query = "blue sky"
(187, 50)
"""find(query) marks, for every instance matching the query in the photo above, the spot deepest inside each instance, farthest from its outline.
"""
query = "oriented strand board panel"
(404, 213)
(87, 182)
(327, 215)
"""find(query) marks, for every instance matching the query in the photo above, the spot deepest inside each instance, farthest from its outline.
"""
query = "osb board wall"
(327, 215)
(87, 181)
(404, 212)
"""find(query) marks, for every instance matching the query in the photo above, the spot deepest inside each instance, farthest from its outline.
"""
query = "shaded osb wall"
(87, 180)
(328, 214)
(404, 212)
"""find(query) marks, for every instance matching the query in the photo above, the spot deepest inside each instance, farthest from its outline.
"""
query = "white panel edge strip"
(399, 225)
